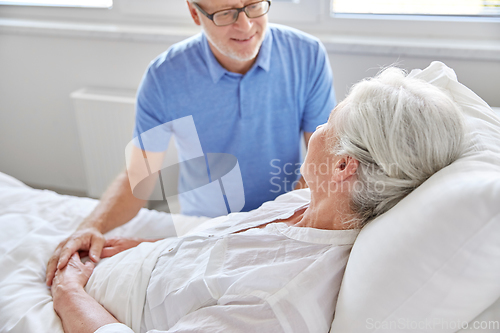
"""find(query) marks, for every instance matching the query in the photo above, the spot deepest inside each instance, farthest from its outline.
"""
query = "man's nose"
(243, 22)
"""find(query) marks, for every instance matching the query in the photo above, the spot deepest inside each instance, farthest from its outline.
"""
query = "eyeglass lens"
(230, 16)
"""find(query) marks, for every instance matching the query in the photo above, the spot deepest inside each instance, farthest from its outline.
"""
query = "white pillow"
(432, 263)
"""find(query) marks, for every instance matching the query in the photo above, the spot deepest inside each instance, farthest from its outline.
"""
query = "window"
(418, 7)
(62, 3)
(352, 20)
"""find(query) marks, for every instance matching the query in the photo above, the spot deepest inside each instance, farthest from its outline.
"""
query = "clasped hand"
(91, 242)
(72, 278)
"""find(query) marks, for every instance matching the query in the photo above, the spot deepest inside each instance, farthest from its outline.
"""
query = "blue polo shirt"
(257, 117)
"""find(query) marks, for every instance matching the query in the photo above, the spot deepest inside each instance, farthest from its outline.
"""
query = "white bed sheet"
(32, 223)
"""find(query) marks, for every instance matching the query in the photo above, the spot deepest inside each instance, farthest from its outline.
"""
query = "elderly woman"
(278, 268)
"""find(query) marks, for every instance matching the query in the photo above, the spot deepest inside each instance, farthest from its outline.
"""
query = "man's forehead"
(224, 3)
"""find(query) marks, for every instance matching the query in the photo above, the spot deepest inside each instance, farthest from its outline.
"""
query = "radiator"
(105, 120)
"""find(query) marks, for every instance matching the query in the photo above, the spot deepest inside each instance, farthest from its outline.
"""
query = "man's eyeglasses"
(229, 16)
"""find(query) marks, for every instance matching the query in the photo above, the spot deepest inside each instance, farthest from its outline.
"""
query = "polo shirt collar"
(214, 68)
(264, 57)
(217, 71)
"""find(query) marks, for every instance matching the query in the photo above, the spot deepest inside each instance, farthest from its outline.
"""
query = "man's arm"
(302, 183)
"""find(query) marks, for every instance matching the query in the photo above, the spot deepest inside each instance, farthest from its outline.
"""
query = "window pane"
(418, 7)
(61, 3)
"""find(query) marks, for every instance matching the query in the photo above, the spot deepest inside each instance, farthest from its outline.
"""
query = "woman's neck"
(327, 212)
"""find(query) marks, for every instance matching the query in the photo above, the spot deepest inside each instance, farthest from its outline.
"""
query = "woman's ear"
(194, 13)
(345, 167)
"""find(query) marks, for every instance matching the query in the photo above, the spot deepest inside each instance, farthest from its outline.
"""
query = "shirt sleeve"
(151, 109)
(320, 99)
(114, 328)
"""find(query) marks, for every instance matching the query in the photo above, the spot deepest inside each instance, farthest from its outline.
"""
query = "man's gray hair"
(401, 130)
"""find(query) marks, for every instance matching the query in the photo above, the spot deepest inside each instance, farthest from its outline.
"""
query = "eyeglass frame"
(239, 10)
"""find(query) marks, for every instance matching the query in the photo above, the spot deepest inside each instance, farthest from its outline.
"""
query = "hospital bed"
(431, 264)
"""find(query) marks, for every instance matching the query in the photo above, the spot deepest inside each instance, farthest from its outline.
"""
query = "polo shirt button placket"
(240, 98)
(243, 112)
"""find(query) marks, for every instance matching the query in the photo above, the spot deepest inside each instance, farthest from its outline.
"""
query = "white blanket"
(32, 223)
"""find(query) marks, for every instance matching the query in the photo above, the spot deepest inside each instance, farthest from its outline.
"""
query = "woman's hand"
(71, 279)
(79, 312)
(116, 245)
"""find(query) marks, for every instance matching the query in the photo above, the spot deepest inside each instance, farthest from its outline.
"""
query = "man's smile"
(243, 40)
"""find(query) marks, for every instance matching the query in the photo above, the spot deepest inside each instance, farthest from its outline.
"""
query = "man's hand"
(118, 244)
(89, 239)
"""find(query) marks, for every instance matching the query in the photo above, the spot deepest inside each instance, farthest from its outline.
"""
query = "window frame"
(415, 26)
(313, 16)
(424, 15)
(27, 3)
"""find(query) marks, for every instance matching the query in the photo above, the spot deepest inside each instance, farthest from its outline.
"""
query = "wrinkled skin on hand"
(73, 277)
(90, 240)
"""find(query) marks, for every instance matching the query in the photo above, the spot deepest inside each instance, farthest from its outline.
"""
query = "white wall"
(38, 134)
(482, 76)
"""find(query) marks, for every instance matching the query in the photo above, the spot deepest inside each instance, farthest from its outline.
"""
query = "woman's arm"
(79, 312)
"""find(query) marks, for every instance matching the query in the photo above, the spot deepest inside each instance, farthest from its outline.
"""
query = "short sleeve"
(114, 328)
(151, 107)
(320, 97)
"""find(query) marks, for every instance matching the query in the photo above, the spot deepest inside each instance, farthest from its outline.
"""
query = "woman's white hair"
(401, 130)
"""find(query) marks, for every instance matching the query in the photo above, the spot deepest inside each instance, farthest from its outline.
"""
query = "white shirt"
(275, 279)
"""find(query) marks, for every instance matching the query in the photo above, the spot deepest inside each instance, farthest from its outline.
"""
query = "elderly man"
(251, 90)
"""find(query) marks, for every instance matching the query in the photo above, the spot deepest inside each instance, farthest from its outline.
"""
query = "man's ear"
(345, 167)
(194, 13)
